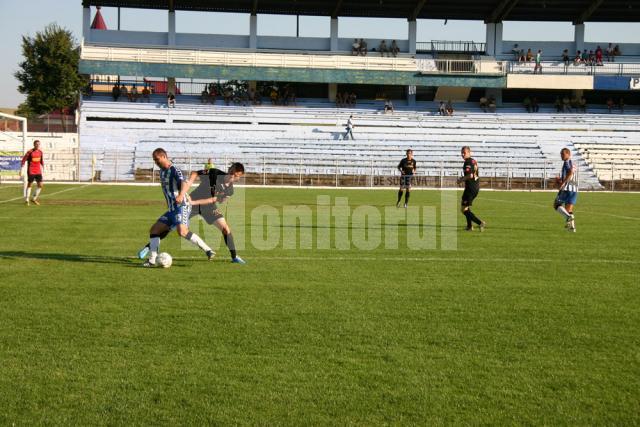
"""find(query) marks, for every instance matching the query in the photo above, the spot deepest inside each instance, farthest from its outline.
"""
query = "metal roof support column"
(86, 24)
(171, 35)
(491, 39)
(253, 31)
(578, 37)
(334, 35)
(413, 34)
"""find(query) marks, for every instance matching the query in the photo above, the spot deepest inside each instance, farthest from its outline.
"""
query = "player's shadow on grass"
(68, 257)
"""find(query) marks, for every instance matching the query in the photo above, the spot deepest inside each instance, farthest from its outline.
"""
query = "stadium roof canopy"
(576, 11)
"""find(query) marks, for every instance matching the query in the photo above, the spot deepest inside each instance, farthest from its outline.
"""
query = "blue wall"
(614, 82)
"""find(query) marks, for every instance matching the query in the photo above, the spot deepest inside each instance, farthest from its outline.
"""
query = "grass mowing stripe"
(47, 195)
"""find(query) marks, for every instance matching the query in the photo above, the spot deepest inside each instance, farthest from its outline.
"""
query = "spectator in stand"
(227, 95)
(442, 109)
(338, 100)
(599, 56)
(558, 104)
(388, 106)
(492, 104)
(115, 92)
(484, 102)
(538, 66)
(566, 105)
(349, 128)
(575, 103)
(610, 104)
(204, 96)
(582, 104)
(146, 94)
(529, 55)
(578, 59)
(610, 53)
(133, 95)
(565, 57)
(621, 105)
(213, 93)
(363, 47)
(527, 103)
(534, 105)
(616, 51)
(449, 108)
(171, 100)
(516, 52)
(352, 99)
(585, 57)
(382, 48)
(124, 92)
(394, 48)
(355, 47)
(592, 58)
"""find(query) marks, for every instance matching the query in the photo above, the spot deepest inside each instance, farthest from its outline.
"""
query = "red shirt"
(34, 157)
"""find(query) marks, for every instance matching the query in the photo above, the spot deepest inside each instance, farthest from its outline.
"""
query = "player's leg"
(559, 206)
(182, 227)
(27, 188)
(142, 253)
(156, 230)
(407, 192)
(221, 224)
(400, 192)
(36, 196)
(467, 201)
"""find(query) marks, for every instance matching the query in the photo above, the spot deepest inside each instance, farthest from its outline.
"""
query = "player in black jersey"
(407, 168)
(471, 181)
(213, 191)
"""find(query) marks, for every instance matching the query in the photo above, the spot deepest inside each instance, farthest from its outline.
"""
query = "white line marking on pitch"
(46, 195)
(549, 206)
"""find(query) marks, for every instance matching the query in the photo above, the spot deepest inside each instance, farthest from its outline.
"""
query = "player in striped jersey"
(568, 194)
(175, 188)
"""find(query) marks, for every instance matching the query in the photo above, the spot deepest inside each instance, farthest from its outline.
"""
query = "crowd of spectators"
(582, 57)
(359, 47)
(346, 99)
(131, 95)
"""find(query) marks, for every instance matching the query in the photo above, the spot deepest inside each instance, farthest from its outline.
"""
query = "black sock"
(468, 216)
(228, 240)
(474, 218)
(406, 197)
(399, 196)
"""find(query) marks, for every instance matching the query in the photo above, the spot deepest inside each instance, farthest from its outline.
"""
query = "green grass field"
(522, 324)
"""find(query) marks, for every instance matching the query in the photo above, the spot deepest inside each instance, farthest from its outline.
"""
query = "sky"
(26, 17)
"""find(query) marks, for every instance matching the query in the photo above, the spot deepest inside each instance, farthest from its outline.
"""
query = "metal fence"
(460, 46)
(559, 67)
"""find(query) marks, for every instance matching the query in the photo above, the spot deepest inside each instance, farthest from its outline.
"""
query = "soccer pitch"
(522, 324)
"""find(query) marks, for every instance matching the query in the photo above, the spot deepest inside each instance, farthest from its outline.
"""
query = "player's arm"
(469, 173)
(207, 201)
(415, 166)
(25, 158)
(183, 184)
(400, 168)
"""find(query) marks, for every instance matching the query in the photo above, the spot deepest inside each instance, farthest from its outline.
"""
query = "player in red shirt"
(35, 162)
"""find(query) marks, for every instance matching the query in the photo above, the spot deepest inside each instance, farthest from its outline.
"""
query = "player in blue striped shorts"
(175, 188)
(568, 194)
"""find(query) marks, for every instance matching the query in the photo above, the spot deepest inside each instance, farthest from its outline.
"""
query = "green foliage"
(49, 73)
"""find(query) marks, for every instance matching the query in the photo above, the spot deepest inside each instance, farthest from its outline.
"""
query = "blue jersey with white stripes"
(567, 168)
(171, 180)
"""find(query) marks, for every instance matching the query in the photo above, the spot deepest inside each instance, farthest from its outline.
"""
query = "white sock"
(28, 195)
(154, 245)
(38, 190)
(562, 211)
(196, 240)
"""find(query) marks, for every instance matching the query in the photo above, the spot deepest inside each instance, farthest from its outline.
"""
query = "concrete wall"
(230, 41)
(528, 81)
(129, 37)
(206, 41)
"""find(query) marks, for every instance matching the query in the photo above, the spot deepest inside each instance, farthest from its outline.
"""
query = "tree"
(49, 73)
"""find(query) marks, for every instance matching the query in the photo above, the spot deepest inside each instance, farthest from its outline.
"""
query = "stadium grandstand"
(280, 104)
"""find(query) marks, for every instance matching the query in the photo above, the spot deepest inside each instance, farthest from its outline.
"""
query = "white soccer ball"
(164, 260)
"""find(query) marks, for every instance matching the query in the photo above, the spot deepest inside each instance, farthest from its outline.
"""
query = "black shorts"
(405, 181)
(37, 178)
(210, 213)
(469, 194)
